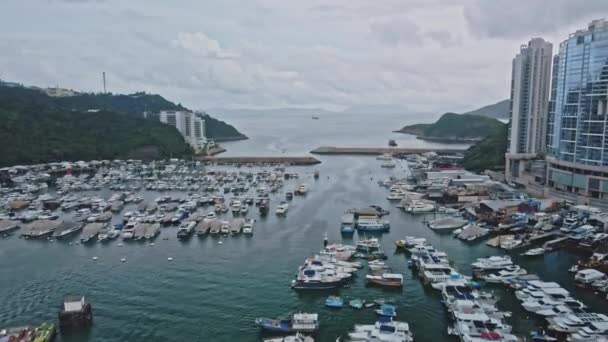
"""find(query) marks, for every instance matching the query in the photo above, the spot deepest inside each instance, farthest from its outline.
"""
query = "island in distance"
(470, 127)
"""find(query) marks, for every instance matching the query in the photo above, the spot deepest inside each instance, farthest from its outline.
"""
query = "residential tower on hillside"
(189, 124)
(530, 90)
(578, 121)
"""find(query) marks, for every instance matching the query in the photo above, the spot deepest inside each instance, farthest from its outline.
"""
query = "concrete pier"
(373, 151)
(261, 160)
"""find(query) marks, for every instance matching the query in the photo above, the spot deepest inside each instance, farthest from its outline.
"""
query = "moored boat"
(386, 279)
(298, 322)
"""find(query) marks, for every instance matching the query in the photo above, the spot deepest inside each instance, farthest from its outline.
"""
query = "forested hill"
(136, 104)
(498, 110)
(452, 127)
(36, 128)
(488, 153)
(132, 104)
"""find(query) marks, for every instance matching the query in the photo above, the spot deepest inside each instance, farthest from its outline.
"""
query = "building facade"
(530, 91)
(190, 125)
(577, 133)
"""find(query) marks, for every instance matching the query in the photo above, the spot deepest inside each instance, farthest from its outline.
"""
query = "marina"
(210, 217)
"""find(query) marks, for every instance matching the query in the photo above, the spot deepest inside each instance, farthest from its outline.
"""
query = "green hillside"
(452, 127)
(136, 104)
(36, 128)
(488, 153)
(219, 130)
(498, 110)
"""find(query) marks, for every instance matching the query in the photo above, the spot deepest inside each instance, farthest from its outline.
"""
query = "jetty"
(260, 160)
(374, 151)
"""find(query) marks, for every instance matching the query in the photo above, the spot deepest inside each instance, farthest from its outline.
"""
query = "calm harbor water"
(297, 134)
(213, 292)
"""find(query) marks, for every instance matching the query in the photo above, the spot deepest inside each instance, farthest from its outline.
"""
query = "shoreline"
(374, 151)
(445, 140)
(227, 139)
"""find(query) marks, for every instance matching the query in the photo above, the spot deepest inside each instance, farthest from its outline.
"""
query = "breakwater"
(382, 150)
(261, 160)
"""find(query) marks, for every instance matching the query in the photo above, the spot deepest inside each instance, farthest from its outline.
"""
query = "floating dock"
(261, 160)
(374, 151)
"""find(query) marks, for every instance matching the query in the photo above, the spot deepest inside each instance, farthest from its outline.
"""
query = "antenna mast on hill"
(104, 82)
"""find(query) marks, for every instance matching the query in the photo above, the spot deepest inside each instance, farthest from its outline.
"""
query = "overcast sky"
(424, 55)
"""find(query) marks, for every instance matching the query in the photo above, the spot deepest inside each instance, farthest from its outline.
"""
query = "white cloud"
(427, 55)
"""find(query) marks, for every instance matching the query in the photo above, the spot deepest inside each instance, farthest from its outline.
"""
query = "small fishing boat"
(368, 244)
(334, 302)
(356, 303)
(386, 279)
(298, 322)
(292, 338)
(248, 227)
(387, 310)
(534, 252)
(225, 227)
(282, 208)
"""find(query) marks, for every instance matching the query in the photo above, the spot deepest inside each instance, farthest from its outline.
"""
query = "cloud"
(515, 19)
(427, 55)
(200, 44)
(396, 30)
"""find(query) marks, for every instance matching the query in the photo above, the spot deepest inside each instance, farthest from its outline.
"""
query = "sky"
(419, 55)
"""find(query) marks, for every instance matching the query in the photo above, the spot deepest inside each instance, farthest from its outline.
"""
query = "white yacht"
(575, 322)
(508, 273)
(282, 208)
(594, 331)
(584, 278)
(367, 244)
(420, 207)
(386, 330)
(493, 263)
(248, 227)
(534, 252)
(395, 195)
(236, 207)
(385, 156)
(303, 189)
(225, 227)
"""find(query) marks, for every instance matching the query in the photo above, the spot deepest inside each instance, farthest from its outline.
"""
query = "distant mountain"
(498, 110)
(452, 127)
(272, 111)
(37, 128)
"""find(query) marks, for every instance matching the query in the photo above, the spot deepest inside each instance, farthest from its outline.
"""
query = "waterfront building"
(530, 88)
(190, 125)
(577, 162)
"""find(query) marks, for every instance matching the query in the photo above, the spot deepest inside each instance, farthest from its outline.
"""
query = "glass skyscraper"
(577, 132)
